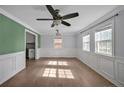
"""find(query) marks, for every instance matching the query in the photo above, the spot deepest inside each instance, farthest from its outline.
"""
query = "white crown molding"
(3, 12)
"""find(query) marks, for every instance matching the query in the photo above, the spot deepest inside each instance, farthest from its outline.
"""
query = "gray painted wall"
(68, 46)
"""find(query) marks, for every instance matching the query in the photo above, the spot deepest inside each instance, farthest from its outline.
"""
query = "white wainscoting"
(52, 52)
(119, 68)
(109, 67)
(11, 64)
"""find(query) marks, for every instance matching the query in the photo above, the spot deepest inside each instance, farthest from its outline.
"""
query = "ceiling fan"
(57, 18)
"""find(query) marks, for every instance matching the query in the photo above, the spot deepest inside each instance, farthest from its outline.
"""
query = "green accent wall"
(12, 36)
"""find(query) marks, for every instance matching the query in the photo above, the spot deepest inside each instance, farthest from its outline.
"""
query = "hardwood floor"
(57, 72)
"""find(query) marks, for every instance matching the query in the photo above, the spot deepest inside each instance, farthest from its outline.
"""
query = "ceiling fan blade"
(45, 19)
(51, 10)
(66, 23)
(52, 25)
(70, 16)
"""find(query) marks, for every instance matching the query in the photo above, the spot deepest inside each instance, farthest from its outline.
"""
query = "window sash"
(103, 41)
(57, 43)
(86, 43)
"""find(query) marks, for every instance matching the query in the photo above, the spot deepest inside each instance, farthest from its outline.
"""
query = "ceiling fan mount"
(57, 11)
(57, 18)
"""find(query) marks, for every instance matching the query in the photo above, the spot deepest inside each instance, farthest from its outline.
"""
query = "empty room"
(61, 46)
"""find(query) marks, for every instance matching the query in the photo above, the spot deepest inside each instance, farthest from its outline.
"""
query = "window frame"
(88, 34)
(55, 43)
(107, 25)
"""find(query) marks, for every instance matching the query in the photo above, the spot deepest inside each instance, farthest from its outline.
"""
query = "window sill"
(86, 51)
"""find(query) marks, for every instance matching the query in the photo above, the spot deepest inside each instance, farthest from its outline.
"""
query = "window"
(57, 43)
(103, 41)
(86, 43)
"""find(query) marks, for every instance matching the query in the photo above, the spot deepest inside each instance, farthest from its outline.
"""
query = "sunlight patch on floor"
(59, 73)
(63, 63)
(60, 63)
(52, 63)
(49, 72)
(64, 73)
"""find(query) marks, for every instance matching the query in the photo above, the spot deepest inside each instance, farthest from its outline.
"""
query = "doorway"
(30, 45)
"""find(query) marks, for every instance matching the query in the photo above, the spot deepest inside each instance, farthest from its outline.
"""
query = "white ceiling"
(29, 13)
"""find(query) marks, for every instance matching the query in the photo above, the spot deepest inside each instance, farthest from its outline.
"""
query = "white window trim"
(89, 43)
(102, 27)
